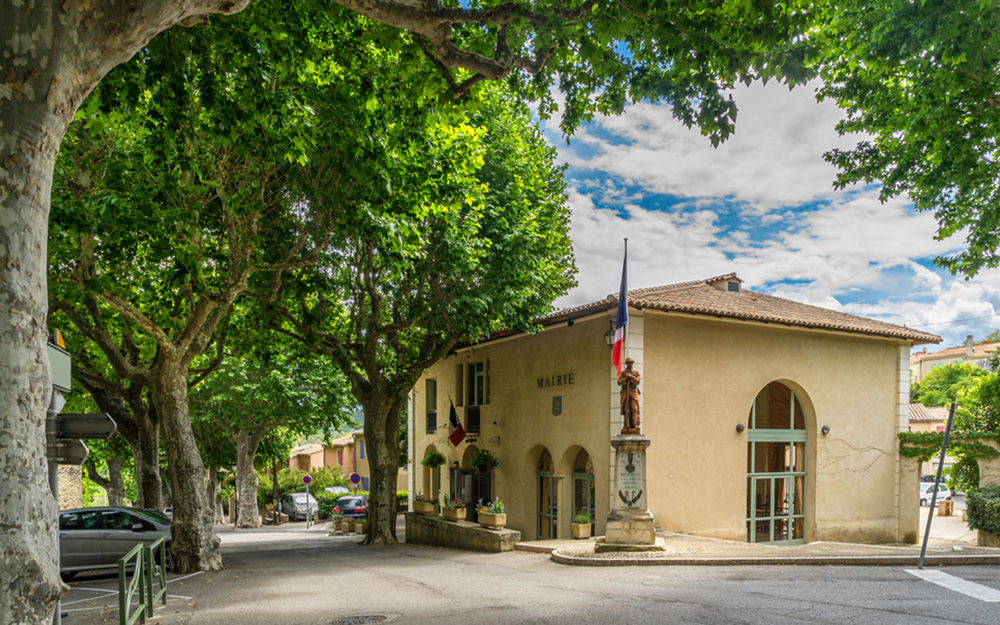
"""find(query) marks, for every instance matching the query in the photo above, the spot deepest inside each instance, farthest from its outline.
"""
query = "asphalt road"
(336, 581)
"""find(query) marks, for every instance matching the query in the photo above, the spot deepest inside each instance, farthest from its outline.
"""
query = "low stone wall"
(433, 530)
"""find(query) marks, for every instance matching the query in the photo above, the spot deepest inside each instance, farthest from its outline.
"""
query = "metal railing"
(150, 563)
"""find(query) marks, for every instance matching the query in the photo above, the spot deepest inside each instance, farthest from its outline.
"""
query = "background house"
(978, 355)
(930, 419)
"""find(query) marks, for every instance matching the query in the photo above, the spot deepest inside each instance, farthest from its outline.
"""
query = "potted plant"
(581, 523)
(337, 520)
(359, 526)
(483, 460)
(351, 523)
(423, 504)
(433, 459)
(493, 515)
(454, 510)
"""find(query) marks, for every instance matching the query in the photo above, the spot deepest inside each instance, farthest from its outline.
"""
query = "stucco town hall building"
(771, 421)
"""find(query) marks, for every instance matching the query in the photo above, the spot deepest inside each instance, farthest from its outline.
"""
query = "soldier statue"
(628, 380)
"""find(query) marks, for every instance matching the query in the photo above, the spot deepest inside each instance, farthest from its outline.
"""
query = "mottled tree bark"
(381, 418)
(213, 489)
(113, 485)
(247, 443)
(55, 52)
(194, 545)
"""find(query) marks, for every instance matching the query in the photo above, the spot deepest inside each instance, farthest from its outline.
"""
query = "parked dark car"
(351, 506)
(96, 538)
(296, 506)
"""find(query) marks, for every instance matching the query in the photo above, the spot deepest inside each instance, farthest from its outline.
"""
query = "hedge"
(983, 509)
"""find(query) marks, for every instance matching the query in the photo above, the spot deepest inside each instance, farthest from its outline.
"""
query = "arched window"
(776, 467)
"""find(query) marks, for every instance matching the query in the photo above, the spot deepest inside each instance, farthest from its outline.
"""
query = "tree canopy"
(944, 385)
(919, 84)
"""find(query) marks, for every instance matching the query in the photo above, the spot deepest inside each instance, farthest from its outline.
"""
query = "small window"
(364, 483)
(733, 286)
(477, 384)
(361, 448)
(431, 405)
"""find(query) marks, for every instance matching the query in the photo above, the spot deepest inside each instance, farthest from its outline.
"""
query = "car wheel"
(170, 560)
(67, 575)
(923, 502)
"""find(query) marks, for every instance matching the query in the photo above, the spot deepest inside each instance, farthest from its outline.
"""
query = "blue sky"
(761, 205)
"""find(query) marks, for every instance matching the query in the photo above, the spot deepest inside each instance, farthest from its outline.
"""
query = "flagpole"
(627, 328)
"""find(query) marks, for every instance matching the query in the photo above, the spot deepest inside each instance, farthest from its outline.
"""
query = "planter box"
(581, 530)
(424, 507)
(986, 539)
(359, 528)
(453, 514)
(350, 527)
(493, 521)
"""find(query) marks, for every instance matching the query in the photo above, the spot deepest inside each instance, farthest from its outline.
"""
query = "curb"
(907, 560)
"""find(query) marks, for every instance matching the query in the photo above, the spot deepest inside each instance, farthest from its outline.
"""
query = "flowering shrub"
(454, 503)
(494, 507)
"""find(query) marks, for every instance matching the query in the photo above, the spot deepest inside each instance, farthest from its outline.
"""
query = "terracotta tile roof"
(922, 413)
(306, 450)
(982, 350)
(343, 441)
(699, 297)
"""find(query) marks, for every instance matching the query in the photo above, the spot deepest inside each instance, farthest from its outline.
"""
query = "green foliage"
(484, 460)
(964, 475)
(582, 517)
(494, 507)
(290, 480)
(944, 385)
(433, 459)
(924, 445)
(919, 82)
(454, 504)
(326, 501)
(979, 406)
(983, 505)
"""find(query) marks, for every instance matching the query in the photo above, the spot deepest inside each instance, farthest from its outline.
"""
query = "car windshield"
(301, 498)
(352, 502)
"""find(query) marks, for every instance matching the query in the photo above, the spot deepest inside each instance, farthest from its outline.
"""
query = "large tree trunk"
(246, 478)
(194, 544)
(54, 52)
(213, 489)
(113, 485)
(146, 452)
(382, 445)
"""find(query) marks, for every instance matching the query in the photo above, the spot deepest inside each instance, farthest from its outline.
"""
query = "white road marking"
(970, 589)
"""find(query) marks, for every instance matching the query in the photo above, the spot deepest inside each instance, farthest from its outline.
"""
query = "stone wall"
(434, 530)
(70, 487)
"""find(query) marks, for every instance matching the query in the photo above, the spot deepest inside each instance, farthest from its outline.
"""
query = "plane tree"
(271, 385)
(463, 233)
(920, 87)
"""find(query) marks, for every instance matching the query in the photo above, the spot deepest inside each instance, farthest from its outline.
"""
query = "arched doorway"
(776, 467)
(583, 485)
(547, 497)
(432, 479)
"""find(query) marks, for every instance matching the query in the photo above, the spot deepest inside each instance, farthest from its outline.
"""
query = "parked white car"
(927, 492)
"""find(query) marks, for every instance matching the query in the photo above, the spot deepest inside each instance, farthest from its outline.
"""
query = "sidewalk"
(951, 543)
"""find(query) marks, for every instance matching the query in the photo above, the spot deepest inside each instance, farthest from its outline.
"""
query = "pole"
(627, 330)
(930, 513)
(274, 477)
(55, 407)
(308, 508)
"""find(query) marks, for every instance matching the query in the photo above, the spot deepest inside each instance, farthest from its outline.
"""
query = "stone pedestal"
(630, 523)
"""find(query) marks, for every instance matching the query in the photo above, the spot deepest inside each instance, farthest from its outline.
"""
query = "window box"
(424, 507)
(493, 521)
(453, 514)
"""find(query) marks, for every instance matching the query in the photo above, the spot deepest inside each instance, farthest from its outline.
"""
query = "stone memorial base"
(602, 546)
(630, 523)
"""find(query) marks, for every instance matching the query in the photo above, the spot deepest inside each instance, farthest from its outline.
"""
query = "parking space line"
(957, 584)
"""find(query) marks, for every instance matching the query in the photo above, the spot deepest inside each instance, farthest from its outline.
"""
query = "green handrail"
(156, 567)
(127, 587)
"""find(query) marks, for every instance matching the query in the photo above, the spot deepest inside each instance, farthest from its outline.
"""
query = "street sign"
(306, 479)
(355, 478)
(60, 367)
(72, 452)
(93, 425)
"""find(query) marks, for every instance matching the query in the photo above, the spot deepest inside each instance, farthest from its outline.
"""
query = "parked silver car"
(295, 505)
(96, 538)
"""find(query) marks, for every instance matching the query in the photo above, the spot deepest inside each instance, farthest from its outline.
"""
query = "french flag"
(622, 318)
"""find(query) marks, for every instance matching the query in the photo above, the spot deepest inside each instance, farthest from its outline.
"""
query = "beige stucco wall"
(700, 378)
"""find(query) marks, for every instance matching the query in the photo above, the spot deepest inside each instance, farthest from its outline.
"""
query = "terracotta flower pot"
(453, 514)
(493, 521)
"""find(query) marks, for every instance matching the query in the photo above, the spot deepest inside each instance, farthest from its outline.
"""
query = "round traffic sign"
(355, 478)
(306, 479)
